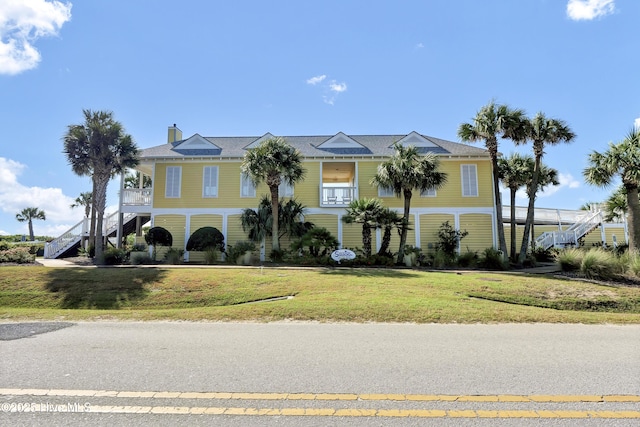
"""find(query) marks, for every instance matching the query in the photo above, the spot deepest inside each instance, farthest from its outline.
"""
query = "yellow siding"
(429, 226)
(234, 231)
(614, 231)
(480, 234)
(176, 225)
(330, 222)
(199, 221)
(307, 191)
(352, 237)
(450, 195)
(411, 236)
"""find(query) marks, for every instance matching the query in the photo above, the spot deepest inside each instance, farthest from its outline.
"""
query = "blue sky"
(221, 68)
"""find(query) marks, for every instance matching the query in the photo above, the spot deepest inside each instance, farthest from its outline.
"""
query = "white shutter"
(469, 181)
(172, 188)
(210, 181)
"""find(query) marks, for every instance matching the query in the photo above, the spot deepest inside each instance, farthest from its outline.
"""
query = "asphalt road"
(367, 374)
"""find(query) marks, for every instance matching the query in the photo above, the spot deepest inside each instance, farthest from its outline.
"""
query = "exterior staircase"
(584, 224)
(71, 238)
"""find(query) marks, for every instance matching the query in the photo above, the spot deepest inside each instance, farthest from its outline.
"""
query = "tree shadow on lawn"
(371, 272)
(100, 288)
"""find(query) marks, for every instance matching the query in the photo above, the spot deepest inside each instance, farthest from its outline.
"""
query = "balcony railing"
(337, 196)
(136, 196)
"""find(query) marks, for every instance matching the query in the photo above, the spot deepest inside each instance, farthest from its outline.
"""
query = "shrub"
(238, 250)
(599, 264)
(17, 255)
(114, 256)
(211, 255)
(277, 255)
(468, 259)
(319, 241)
(492, 259)
(140, 259)
(158, 236)
(570, 259)
(206, 238)
(449, 238)
(633, 265)
(5, 245)
(138, 247)
(174, 256)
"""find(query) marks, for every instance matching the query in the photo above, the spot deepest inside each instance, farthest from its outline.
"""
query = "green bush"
(318, 240)
(18, 255)
(206, 238)
(174, 256)
(114, 256)
(468, 259)
(158, 236)
(599, 264)
(140, 259)
(234, 252)
(449, 238)
(570, 259)
(633, 265)
(211, 256)
(5, 245)
(492, 259)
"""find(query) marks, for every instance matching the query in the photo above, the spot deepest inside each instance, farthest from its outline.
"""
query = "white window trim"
(431, 192)
(475, 176)
(386, 192)
(204, 183)
(178, 170)
(243, 178)
(282, 190)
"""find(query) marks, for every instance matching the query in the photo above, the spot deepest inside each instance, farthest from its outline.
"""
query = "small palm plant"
(28, 215)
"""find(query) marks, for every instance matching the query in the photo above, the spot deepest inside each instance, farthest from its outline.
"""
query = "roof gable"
(196, 145)
(417, 140)
(257, 142)
(343, 144)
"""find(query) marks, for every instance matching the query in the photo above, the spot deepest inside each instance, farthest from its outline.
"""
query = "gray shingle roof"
(375, 145)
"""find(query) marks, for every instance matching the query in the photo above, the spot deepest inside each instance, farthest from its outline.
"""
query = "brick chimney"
(174, 134)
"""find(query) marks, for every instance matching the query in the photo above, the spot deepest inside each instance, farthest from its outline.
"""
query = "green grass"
(354, 295)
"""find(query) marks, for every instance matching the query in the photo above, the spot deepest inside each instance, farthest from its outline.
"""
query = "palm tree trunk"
(533, 186)
(366, 239)
(512, 252)
(31, 236)
(92, 225)
(633, 221)
(386, 238)
(101, 201)
(275, 241)
(502, 241)
(405, 226)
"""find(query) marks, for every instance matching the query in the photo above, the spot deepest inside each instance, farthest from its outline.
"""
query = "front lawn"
(322, 294)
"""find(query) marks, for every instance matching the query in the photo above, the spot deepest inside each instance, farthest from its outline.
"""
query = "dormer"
(257, 142)
(343, 144)
(423, 144)
(197, 145)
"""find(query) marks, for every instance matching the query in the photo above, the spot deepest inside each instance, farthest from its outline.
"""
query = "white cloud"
(15, 196)
(586, 10)
(636, 123)
(419, 46)
(315, 80)
(337, 87)
(22, 22)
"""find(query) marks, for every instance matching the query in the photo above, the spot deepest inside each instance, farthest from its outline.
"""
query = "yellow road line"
(324, 396)
(330, 412)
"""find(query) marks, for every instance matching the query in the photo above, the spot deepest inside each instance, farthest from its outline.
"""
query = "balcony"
(136, 196)
(337, 196)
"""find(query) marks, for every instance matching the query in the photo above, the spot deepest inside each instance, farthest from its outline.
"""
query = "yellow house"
(197, 182)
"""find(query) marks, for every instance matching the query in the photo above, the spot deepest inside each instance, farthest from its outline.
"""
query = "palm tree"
(491, 122)
(623, 160)
(405, 171)
(541, 131)
(547, 176)
(388, 219)
(615, 207)
(258, 223)
(99, 148)
(273, 161)
(28, 215)
(514, 172)
(365, 212)
(83, 200)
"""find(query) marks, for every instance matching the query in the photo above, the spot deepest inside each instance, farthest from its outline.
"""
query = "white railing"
(337, 196)
(60, 244)
(586, 221)
(558, 216)
(136, 196)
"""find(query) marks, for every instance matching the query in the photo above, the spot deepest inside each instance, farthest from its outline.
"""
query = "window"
(285, 190)
(247, 189)
(210, 181)
(430, 192)
(385, 192)
(172, 188)
(469, 181)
